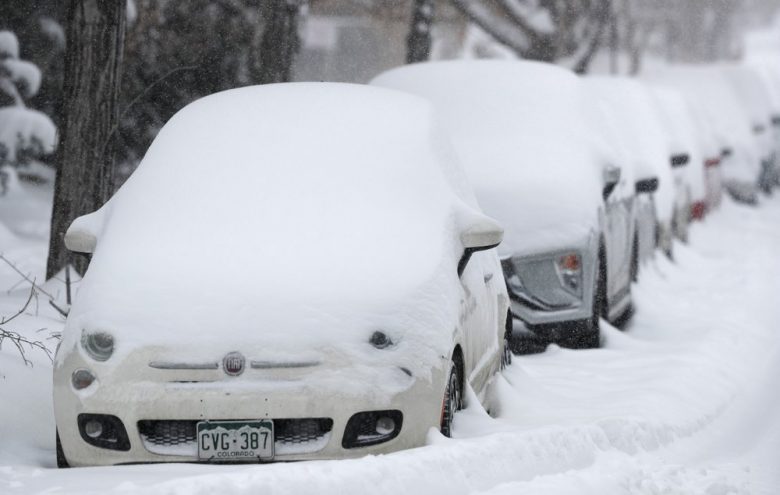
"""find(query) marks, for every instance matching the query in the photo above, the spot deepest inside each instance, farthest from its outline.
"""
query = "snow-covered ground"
(683, 401)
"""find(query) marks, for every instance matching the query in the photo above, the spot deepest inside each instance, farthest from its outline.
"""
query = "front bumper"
(179, 401)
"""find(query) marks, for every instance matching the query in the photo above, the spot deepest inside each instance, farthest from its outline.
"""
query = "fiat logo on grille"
(233, 364)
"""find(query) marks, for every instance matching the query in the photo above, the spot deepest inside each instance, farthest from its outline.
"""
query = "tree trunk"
(602, 16)
(418, 43)
(85, 172)
(280, 41)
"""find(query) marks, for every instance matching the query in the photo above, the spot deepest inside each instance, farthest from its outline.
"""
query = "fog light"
(385, 425)
(93, 429)
(372, 428)
(82, 379)
(103, 430)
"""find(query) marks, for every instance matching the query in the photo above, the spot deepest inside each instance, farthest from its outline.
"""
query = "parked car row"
(321, 270)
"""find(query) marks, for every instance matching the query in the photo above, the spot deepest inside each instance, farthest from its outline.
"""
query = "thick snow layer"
(730, 120)
(520, 130)
(679, 121)
(322, 212)
(682, 402)
(768, 69)
(756, 100)
(642, 134)
(53, 31)
(9, 45)
(22, 128)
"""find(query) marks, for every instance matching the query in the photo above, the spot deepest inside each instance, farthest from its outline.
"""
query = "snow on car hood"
(286, 217)
(523, 143)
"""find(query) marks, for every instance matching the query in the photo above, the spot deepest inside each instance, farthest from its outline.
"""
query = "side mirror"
(611, 179)
(81, 236)
(680, 160)
(481, 234)
(647, 185)
(80, 241)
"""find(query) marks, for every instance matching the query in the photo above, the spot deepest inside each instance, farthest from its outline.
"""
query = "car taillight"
(712, 162)
(698, 209)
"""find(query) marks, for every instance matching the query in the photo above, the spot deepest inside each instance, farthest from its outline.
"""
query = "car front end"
(548, 289)
(160, 406)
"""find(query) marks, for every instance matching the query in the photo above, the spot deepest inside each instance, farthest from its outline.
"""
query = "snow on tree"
(547, 30)
(26, 135)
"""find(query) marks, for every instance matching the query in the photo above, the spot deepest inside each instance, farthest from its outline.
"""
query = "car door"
(480, 282)
(618, 229)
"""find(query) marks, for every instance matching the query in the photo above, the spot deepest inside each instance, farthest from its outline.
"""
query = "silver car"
(521, 132)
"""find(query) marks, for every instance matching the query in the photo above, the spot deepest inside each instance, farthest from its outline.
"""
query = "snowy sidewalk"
(683, 401)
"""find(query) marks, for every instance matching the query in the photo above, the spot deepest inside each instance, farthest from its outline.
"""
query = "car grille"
(178, 437)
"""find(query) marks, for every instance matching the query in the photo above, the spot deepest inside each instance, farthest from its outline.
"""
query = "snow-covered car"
(294, 271)
(757, 102)
(740, 161)
(608, 122)
(521, 131)
(714, 144)
(768, 69)
(650, 154)
(686, 157)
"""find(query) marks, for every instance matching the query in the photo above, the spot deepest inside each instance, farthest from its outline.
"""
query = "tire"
(506, 355)
(453, 399)
(635, 260)
(62, 462)
(590, 337)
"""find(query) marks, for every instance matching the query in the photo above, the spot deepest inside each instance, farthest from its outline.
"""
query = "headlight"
(545, 283)
(569, 269)
(380, 340)
(82, 378)
(99, 345)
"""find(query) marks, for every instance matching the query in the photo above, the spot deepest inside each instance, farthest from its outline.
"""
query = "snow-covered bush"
(26, 135)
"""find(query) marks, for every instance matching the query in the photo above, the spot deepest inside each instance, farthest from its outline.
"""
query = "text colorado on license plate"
(235, 440)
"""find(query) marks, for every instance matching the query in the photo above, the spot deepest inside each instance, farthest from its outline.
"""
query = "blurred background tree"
(178, 51)
(175, 52)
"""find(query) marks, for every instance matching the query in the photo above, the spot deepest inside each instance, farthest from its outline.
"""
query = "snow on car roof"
(731, 121)
(643, 133)
(751, 91)
(279, 200)
(707, 86)
(678, 118)
(520, 132)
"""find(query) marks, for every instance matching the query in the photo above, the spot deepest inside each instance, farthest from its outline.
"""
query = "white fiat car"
(295, 271)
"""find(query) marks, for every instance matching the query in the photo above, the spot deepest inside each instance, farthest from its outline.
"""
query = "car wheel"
(590, 337)
(61, 461)
(506, 356)
(453, 400)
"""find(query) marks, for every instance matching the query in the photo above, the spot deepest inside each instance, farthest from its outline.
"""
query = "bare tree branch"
(27, 278)
(20, 341)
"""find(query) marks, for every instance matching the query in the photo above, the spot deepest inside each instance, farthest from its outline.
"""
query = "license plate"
(236, 440)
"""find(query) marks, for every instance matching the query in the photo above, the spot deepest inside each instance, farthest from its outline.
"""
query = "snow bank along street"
(684, 400)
